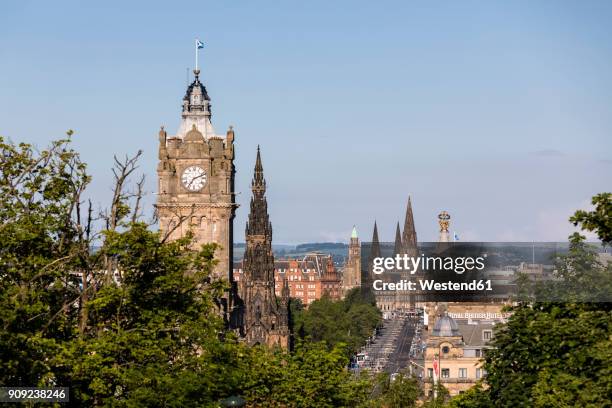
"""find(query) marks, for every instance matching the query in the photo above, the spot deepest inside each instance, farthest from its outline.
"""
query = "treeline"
(155, 339)
(134, 323)
(349, 321)
(556, 348)
(320, 246)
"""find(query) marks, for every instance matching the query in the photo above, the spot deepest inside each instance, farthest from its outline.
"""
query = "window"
(445, 349)
(463, 373)
(478, 353)
(487, 334)
(445, 373)
(430, 372)
(481, 372)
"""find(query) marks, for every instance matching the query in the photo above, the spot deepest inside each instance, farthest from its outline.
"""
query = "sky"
(498, 112)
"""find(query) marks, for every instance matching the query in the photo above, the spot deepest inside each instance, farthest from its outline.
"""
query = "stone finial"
(230, 134)
(162, 134)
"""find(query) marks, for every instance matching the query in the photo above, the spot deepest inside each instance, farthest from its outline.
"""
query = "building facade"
(454, 353)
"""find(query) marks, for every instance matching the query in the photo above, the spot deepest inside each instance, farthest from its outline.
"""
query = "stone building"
(264, 321)
(196, 183)
(351, 273)
(454, 354)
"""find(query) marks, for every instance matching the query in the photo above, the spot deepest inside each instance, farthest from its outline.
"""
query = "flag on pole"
(199, 44)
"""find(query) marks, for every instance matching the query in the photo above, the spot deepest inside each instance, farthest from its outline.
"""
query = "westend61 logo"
(411, 264)
(431, 266)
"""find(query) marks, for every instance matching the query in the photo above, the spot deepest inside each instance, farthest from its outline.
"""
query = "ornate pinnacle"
(444, 221)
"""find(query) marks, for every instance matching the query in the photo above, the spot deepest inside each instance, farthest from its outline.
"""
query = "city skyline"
(351, 122)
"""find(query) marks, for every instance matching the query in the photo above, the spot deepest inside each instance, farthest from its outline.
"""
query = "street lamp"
(233, 401)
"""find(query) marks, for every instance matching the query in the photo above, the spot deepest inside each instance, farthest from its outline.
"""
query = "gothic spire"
(259, 221)
(375, 250)
(265, 321)
(259, 183)
(409, 238)
(398, 240)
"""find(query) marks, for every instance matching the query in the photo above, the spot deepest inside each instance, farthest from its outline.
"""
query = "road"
(400, 358)
(390, 351)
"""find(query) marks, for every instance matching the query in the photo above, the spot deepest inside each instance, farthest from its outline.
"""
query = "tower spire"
(409, 238)
(264, 321)
(259, 183)
(398, 240)
(375, 250)
(259, 221)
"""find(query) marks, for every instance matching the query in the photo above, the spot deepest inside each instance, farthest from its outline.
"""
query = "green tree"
(439, 399)
(311, 376)
(400, 392)
(349, 321)
(555, 350)
(133, 323)
(39, 248)
(599, 220)
(121, 326)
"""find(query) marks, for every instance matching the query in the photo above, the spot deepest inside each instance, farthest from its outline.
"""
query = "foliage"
(134, 323)
(37, 252)
(349, 321)
(400, 392)
(556, 350)
(473, 397)
(599, 220)
(440, 399)
(311, 376)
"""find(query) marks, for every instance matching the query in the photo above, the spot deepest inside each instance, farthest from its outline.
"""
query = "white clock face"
(194, 178)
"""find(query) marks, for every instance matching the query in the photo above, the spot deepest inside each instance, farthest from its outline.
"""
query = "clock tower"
(196, 180)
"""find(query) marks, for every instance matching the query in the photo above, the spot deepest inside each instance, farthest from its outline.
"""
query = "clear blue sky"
(499, 112)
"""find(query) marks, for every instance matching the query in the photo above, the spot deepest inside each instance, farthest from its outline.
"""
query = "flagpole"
(196, 52)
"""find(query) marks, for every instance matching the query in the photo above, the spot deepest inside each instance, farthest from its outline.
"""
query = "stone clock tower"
(196, 180)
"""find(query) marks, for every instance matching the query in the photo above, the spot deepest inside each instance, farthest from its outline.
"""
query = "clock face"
(194, 178)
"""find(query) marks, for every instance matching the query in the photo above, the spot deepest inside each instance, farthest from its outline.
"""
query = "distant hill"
(321, 247)
(337, 250)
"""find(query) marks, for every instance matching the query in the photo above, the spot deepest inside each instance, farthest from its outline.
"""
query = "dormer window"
(487, 335)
